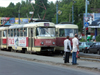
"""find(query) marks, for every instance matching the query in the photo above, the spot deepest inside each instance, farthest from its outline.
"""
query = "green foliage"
(11, 5)
(98, 38)
(82, 40)
(65, 6)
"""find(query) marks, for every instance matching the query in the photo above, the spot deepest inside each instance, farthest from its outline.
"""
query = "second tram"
(63, 30)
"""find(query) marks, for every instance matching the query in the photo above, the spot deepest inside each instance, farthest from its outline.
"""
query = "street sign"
(86, 24)
(31, 12)
(59, 12)
(86, 18)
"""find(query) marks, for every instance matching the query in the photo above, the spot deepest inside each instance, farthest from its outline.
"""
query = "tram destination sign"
(46, 24)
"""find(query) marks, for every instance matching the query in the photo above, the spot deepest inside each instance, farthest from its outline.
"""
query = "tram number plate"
(46, 24)
(49, 41)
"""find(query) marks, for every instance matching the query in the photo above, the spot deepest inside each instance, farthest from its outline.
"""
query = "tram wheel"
(12, 50)
(98, 52)
(88, 51)
(83, 50)
(26, 52)
(37, 53)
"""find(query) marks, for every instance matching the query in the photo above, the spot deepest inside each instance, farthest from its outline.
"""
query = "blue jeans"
(74, 59)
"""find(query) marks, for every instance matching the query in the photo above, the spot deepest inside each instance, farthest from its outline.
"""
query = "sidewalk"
(58, 60)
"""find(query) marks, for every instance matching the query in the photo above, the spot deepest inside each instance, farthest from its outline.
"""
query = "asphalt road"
(14, 66)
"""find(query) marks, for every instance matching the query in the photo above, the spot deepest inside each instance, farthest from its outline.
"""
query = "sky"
(5, 3)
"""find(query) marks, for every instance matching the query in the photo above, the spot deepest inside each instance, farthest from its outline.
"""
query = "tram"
(38, 36)
(3, 37)
(63, 30)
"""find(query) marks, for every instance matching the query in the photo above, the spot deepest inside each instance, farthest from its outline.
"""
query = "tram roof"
(66, 26)
(32, 24)
(15, 26)
(3, 28)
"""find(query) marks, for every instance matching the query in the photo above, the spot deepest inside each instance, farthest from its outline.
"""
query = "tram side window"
(15, 32)
(12, 33)
(32, 32)
(37, 33)
(25, 31)
(4, 33)
(0, 34)
(21, 32)
(61, 32)
(18, 32)
(8, 33)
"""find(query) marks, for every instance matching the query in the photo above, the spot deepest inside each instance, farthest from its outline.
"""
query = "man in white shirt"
(75, 49)
(67, 49)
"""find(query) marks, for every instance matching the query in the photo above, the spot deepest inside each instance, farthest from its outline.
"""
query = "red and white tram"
(63, 30)
(32, 37)
(3, 37)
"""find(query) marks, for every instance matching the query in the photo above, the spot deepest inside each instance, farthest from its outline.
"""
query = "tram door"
(31, 40)
(6, 38)
(0, 39)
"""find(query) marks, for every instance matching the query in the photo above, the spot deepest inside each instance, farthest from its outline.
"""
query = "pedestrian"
(94, 40)
(67, 49)
(75, 49)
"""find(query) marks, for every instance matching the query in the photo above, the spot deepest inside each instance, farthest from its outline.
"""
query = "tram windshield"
(43, 31)
(67, 32)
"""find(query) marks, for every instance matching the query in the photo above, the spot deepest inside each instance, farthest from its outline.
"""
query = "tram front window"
(42, 31)
(75, 31)
(66, 32)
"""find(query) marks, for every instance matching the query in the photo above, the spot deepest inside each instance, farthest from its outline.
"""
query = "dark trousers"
(66, 60)
(74, 59)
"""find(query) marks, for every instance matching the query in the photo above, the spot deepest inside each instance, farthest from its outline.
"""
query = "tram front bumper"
(47, 49)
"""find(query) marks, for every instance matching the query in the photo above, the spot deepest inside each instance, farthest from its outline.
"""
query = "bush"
(98, 38)
(82, 40)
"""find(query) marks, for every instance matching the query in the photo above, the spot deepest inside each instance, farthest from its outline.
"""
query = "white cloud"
(5, 3)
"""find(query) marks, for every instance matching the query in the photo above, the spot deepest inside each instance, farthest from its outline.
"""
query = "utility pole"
(19, 15)
(57, 12)
(86, 8)
(73, 12)
(86, 17)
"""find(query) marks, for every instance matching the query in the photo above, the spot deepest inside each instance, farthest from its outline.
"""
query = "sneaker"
(75, 64)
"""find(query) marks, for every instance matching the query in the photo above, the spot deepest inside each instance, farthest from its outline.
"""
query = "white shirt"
(93, 37)
(75, 43)
(66, 43)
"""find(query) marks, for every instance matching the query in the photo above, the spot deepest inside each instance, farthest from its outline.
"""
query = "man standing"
(75, 49)
(67, 48)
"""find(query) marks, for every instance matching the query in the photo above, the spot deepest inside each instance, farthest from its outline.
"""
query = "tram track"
(83, 56)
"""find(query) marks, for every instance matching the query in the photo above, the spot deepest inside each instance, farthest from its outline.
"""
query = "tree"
(50, 12)
(65, 6)
(98, 38)
(40, 6)
(11, 5)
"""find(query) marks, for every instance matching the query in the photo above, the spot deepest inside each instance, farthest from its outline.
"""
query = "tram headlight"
(53, 42)
(42, 43)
